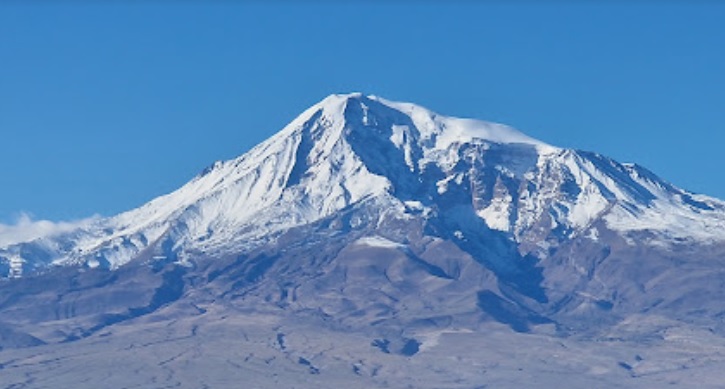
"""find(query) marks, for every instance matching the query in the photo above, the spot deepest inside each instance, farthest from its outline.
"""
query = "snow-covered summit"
(431, 126)
(349, 150)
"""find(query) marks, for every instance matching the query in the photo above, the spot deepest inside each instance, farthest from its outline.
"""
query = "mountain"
(352, 149)
(390, 227)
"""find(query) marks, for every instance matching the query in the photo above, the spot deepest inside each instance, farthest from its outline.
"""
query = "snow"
(442, 185)
(16, 267)
(379, 241)
(449, 130)
(399, 137)
(593, 234)
(316, 166)
(670, 220)
(498, 213)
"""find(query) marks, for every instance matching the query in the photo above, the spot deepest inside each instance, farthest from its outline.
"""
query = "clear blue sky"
(103, 107)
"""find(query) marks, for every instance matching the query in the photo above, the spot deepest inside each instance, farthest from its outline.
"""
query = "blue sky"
(103, 107)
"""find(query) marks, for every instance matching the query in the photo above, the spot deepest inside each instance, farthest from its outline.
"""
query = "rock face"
(390, 221)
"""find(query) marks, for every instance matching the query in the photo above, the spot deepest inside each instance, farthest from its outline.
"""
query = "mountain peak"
(432, 128)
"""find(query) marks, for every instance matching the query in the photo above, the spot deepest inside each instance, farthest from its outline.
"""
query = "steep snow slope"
(351, 149)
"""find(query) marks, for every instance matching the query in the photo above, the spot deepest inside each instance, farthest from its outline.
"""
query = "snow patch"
(497, 214)
(379, 241)
(593, 234)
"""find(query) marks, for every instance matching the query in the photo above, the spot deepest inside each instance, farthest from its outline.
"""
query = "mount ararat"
(371, 243)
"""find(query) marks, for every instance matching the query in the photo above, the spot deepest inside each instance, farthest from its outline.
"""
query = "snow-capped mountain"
(352, 149)
(372, 243)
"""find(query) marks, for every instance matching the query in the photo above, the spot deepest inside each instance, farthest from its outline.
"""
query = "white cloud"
(26, 229)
